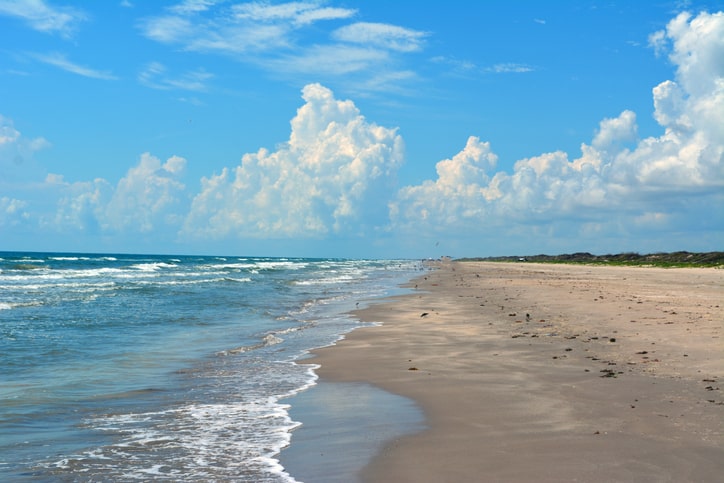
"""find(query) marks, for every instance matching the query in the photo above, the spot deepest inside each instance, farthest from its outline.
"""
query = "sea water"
(138, 367)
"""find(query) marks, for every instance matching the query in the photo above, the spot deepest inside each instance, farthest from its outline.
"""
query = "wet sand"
(538, 372)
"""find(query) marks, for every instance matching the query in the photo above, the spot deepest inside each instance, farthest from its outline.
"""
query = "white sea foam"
(153, 266)
(280, 264)
(327, 280)
(200, 441)
(267, 340)
(244, 279)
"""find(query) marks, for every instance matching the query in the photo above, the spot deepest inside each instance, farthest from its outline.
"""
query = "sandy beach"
(540, 372)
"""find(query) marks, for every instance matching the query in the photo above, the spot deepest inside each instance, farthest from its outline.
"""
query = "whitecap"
(152, 267)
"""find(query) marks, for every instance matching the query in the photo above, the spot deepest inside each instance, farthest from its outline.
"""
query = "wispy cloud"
(43, 17)
(243, 28)
(154, 75)
(59, 60)
(298, 13)
(457, 64)
(329, 59)
(390, 37)
(192, 6)
(510, 67)
(466, 67)
(288, 38)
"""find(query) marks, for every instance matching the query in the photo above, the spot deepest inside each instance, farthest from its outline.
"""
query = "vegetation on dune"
(674, 259)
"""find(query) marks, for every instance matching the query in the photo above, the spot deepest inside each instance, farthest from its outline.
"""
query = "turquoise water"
(137, 367)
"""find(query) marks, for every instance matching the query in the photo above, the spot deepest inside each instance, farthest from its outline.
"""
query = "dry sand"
(538, 372)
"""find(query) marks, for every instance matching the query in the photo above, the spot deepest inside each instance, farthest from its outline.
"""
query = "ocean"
(139, 367)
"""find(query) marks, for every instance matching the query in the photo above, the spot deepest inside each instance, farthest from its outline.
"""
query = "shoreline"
(534, 372)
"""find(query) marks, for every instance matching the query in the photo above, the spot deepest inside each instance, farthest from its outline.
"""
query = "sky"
(361, 129)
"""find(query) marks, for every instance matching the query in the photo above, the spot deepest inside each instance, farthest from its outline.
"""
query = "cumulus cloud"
(149, 194)
(12, 211)
(149, 197)
(16, 152)
(333, 176)
(619, 181)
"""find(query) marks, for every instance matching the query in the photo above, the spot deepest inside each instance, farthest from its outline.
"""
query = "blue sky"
(361, 129)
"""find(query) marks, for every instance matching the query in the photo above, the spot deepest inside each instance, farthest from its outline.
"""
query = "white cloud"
(330, 59)
(389, 37)
(334, 175)
(43, 17)
(290, 38)
(150, 194)
(154, 75)
(510, 67)
(243, 28)
(300, 13)
(619, 181)
(16, 152)
(12, 211)
(698, 50)
(80, 206)
(168, 29)
(461, 184)
(461, 65)
(192, 6)
(59, 60)
(149, 197)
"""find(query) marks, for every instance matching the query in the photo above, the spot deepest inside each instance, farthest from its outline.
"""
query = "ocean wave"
(153, 267)
(17, 305)
(230, 279)
(195, 281)
(70, 286)
(268, 340)
(230, 266)
(276, 265)
(26, 266)
(43, 273)
(331, 280)
(239, 440)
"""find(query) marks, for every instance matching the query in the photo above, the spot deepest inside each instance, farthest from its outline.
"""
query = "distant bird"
(424, 314)
(527, 317)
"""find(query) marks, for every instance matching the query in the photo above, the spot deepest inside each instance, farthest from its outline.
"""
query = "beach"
(543, 372)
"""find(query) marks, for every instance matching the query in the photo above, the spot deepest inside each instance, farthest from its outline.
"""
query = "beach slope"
(542, 372)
